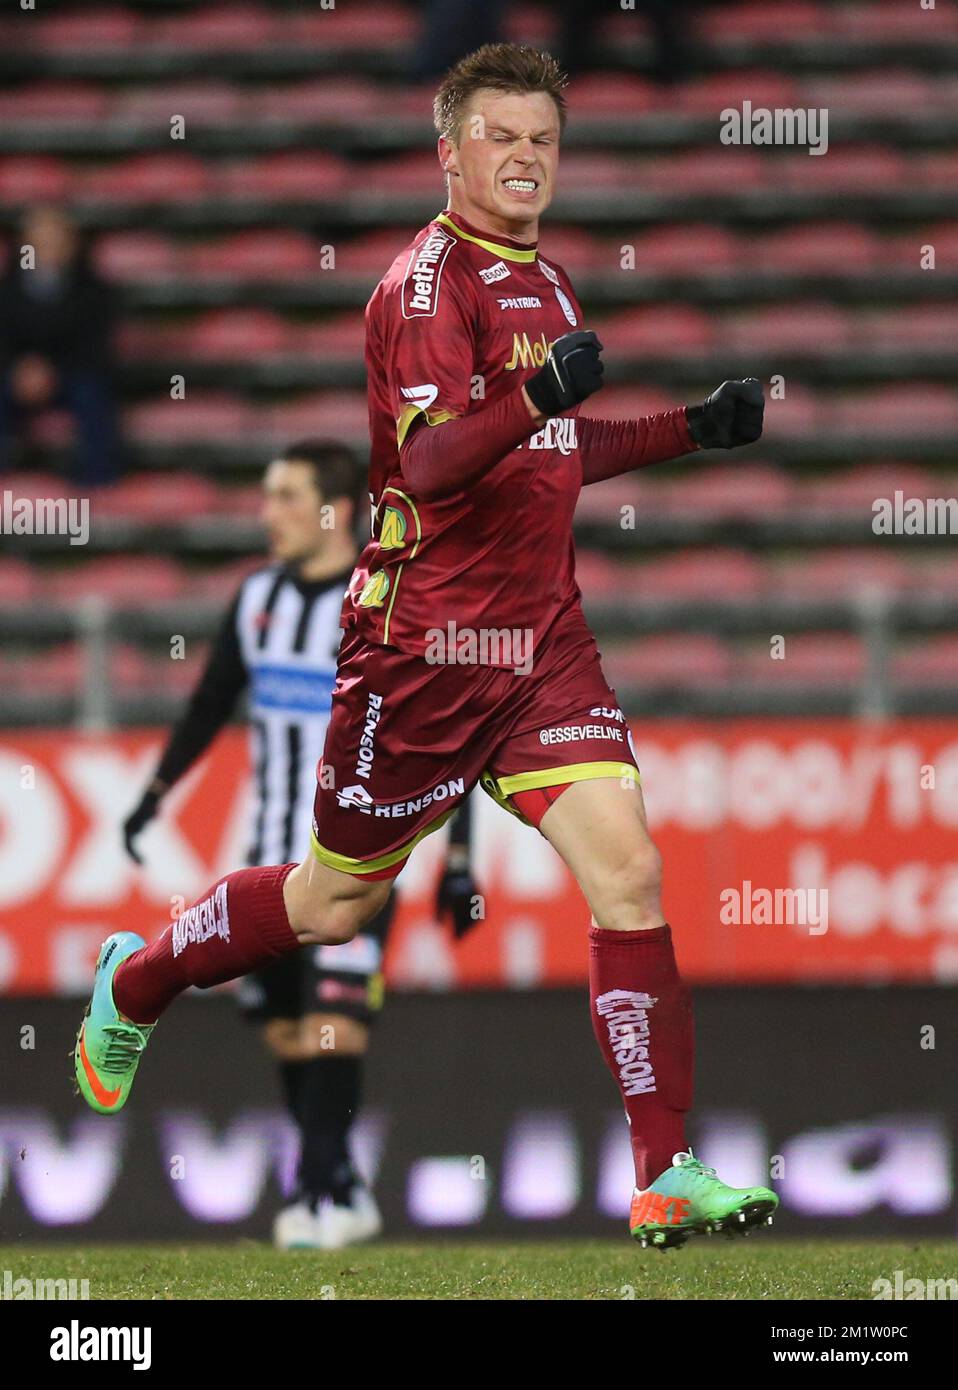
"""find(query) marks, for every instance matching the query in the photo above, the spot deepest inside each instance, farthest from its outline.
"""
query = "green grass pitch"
(714, 1268)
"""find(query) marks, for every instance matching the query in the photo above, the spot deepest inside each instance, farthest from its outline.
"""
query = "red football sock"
(239, 925)
(642, 1020)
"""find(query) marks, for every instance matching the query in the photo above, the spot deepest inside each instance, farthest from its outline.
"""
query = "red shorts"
(408, 740)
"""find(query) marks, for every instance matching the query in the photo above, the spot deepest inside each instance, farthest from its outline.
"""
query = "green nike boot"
(108, 1046)
(688, 1199)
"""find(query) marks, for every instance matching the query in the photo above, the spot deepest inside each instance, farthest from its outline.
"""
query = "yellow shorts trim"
(346, 865)
(502, 788)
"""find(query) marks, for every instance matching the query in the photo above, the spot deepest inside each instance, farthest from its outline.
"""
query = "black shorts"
(344, 980)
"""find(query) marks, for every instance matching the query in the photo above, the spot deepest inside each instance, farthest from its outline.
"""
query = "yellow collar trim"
(508, 253)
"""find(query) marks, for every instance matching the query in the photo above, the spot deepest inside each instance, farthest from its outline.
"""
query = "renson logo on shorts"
(627, 1019)
(358, 798)
(364, 760)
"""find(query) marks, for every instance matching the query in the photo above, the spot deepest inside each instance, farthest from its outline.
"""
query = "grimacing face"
(502, 172)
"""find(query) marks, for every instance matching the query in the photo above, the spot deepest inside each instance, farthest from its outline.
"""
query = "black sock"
(329, 1090)
(292, 1074)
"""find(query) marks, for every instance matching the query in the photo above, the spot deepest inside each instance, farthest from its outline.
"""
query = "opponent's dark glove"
(457, 894)
(732, 415)
(134, 823)
(573, 371)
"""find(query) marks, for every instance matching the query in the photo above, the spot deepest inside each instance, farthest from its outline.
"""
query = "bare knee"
(629, 895)
(328, 908)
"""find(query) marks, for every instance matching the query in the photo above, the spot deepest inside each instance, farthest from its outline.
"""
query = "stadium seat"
(707, 575)
(34, 178)
(855, 489)
(809, 329)
(818, 248)
(238, 335)
(810, 658)
(212, 416)
(296, 177)
(681, 330)
(612, 94)
(687, 660)
(19, 582)
(123, 581)
(151, 498)
(277, 254)
(202, 102)
(96, 31)
(932, 662)
(337, 99)
(841, 573)
(215, 28)
(136, 256)
(732, 490)
(680, 249)
(341, 337)
(147, 178)
(54, 102)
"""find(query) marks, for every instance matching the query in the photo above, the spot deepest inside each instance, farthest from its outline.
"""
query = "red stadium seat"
(818, 248)
(687, 660)
(325, 413)
(807, 328)
(125, 581)
(157, 498)
(54, 102)
(212, 416)
(216, 28)
(845, 169)
(901, 411)
(57, 670)
(628, 403)
(612, 94)
(374, 252)
(297, 176)
(576, 250)
(95, 31)
(680, 249)
(871, 93)
(707, 575)
(710, 95)
(905, 251)
(342, 336)
(726, 490)
(332, 98)
(148, 178)
(238, 335)
(603, 502)
(679, 330)
(759, 22)
(256, 255)
(382, 26)
(206, 103)
(19, 583)
(811, 658)
(34, 178)
(842, 573)
(855, 489)
(699, 171)
(926, 327)
(887, 21)
(599, 576)
(218, 584)
(136, 255)
(933, 662)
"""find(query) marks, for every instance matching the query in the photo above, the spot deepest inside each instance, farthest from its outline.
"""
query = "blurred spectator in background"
(455, 27)
(56, 330)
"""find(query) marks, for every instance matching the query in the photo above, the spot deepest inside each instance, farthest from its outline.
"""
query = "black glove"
(732, 415)
(455, 895)
(573, 371)
(133, 824)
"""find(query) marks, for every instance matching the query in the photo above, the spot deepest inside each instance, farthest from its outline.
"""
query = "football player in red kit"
(466, 657)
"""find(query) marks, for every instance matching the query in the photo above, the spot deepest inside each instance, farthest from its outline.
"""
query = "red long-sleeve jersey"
(473, 504)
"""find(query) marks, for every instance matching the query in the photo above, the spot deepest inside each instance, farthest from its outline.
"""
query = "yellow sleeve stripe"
(433, 417)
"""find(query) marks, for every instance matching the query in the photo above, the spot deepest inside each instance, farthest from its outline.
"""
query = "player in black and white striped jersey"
(278, 643)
